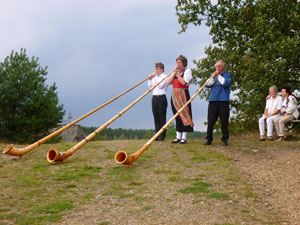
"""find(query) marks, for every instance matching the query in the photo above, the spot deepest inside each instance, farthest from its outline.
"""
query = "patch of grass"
(103, 223)
(93, 169)
(76, 173)
(177, 160)
(202, 184)
(218, 195)
(26, 181)
(135, 183)
(126, 195)
(176, 172)
(162, 171)
(245, 211)
(34, 192)
(40, 168)
(94, 145)
(70, 186)
(146, 208)
(107, 150)
(110, 157)
(122, 174)
(55, 207)
(194, 189)
(140, 198)
(198, 187)
(198, 157)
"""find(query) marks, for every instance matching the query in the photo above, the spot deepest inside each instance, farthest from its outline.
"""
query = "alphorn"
(53, 155)
(11, 150)
(123, 158)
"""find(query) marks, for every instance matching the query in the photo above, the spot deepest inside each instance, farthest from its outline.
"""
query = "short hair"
(183, 59)
(287, 89)
(273, 87)
(160, 65)
(221, 61)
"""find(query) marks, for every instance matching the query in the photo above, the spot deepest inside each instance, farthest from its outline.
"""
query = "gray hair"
(273, 87)
(221, 61)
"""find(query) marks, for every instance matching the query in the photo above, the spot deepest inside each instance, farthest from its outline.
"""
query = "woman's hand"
(175, 70)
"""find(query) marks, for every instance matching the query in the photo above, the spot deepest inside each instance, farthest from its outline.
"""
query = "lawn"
(168, 184)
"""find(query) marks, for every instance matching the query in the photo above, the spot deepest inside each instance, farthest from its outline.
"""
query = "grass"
(165, 176)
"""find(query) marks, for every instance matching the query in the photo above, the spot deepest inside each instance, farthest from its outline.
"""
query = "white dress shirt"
(220, 79)
(187, 76)
(161, 89)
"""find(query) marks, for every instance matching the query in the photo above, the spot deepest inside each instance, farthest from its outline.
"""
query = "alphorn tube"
(123, 158)
(11, 150)
(53, 155)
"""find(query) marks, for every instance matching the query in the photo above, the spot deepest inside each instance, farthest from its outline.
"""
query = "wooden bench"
(295, 121)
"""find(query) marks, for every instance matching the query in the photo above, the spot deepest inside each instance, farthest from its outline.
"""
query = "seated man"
(288, 112)
(272, 111)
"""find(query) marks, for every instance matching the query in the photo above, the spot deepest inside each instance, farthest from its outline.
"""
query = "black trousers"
(159, 110)
(215, 110)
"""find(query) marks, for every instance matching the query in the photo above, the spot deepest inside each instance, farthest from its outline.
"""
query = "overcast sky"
(96, 49)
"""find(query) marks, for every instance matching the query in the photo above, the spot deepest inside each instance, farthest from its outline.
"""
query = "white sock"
(178, 135)
(184, 135)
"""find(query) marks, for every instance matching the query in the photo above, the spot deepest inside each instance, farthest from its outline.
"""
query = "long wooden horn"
(122, 157)
(53, 155)
(11, 150)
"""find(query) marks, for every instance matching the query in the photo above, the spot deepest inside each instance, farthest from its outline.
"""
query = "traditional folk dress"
(180, 96)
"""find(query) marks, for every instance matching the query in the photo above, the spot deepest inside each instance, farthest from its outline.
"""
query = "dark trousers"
(159, 110)
(215, 110)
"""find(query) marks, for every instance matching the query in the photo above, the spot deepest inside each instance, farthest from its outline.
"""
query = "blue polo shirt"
(218, 91)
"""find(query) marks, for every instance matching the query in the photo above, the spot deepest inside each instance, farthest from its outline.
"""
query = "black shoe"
(183, 141)
(207, 142)
(160, 139)
(175, 141)
(225, 143)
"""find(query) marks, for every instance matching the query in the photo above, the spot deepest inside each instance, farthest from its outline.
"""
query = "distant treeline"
(123, 134)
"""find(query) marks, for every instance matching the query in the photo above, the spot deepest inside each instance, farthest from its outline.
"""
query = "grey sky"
(95, 50)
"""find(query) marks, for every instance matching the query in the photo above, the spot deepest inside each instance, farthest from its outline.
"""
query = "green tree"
(259, 41)
(28, 107)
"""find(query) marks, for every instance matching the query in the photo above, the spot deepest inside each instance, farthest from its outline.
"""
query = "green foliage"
(259, 41)
(28, 107)
(124, 134)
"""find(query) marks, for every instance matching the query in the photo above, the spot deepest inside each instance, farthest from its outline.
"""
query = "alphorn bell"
(53, 155)
(121, 157)
(11, 150)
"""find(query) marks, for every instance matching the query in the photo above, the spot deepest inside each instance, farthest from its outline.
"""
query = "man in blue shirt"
(218, 102)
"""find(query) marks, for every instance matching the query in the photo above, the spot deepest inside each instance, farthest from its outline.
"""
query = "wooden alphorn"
(54, 155)
(11, 150)
(123, 158)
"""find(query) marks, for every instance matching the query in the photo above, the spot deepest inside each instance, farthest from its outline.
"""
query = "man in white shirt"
(159, 100)
(272, 111)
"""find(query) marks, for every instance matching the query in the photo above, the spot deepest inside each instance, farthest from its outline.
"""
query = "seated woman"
(288, 112)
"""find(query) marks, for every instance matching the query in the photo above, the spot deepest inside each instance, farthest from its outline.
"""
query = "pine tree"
(28, 107)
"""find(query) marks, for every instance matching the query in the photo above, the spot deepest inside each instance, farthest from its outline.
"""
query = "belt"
(158, 96)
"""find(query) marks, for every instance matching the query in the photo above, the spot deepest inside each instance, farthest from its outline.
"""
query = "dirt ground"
(274, 171)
